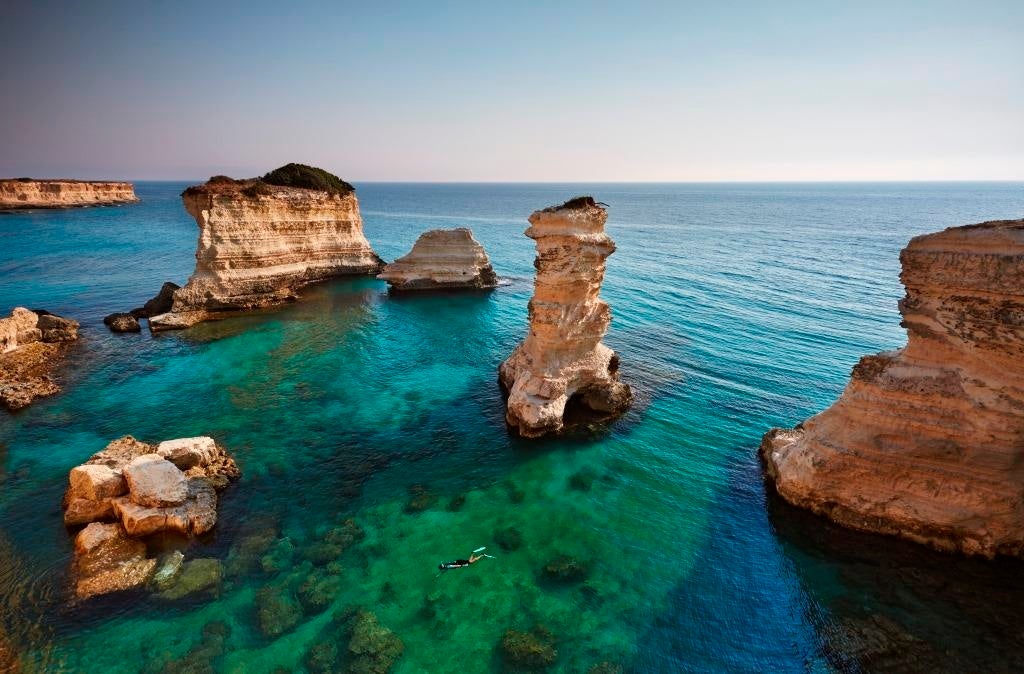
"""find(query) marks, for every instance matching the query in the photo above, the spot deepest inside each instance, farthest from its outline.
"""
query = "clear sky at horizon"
(477, 91)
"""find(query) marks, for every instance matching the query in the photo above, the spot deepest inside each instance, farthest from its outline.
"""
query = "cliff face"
(32, 346)
(442, 259)
(927, 442)
(562, 358)
(63, 193)
(260, 243)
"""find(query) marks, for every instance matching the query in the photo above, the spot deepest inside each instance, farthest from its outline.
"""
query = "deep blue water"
(736, 308)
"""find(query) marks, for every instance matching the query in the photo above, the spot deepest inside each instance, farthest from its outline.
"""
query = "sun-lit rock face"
(26, 193)
(442, 259)
(562, 359)
(260, 243)
(927, 442)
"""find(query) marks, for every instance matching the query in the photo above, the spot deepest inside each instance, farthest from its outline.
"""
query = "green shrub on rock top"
(308, 177)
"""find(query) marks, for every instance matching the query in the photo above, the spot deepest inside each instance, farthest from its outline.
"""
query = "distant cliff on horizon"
(17, 193)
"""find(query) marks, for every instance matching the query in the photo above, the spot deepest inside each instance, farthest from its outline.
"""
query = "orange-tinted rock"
(107, 560)
(562, 358)
(927, 442)
(26, 193)
(32, 346)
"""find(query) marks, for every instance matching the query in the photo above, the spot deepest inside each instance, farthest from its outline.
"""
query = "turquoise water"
(736, 308)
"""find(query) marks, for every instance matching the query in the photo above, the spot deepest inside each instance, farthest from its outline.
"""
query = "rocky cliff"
(562, 361)
(442, 259)
(927, 442)
(260, 243)
(26, 193)
(32, 346)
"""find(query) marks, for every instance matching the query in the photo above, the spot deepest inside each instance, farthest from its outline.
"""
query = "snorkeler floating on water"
(460, 563)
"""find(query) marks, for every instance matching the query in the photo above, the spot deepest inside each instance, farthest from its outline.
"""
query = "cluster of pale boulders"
(132, 490)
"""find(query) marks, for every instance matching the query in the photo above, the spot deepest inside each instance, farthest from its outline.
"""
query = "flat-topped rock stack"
(442, 259)
(28, 193)
(32, 346)
(132, 490)
(927, 442)
(261, 240)
(562, 359)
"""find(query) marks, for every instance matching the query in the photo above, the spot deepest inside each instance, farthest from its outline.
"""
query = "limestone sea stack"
(927, 442)
(442, 259)
(28, 193)
(562, 359)
(32, 346)
(261, 240)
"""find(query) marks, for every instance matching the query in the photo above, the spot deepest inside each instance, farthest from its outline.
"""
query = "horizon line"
(599, 182)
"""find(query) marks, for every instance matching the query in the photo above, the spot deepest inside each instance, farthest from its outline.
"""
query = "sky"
(515, 91)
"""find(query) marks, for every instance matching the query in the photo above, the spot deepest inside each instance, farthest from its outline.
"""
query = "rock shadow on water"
(905, 607)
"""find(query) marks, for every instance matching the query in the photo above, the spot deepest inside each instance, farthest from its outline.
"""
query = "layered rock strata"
(132, 490)
(562, 361)
(442, 259)
(27, 193)
(32, 346)
(927, 442)
(260, 243)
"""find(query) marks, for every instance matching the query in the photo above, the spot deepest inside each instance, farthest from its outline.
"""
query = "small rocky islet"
(131, 492)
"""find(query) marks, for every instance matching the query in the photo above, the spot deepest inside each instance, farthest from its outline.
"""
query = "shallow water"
(736, 308)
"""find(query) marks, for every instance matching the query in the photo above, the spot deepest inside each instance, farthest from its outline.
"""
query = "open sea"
(737, 307)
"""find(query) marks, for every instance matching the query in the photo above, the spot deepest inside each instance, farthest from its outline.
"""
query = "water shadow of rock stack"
(562, 367)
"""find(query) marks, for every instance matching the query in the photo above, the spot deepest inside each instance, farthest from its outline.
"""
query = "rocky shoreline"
(22, 193)
(32, 347)
(924, 442)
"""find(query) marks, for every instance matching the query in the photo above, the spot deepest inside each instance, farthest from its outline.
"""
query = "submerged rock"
(107, 560)
(508, 539)
(372, 648)
(322, 658)
(279, 556)
(442, 259)
(926, 442)
(32, 346)
(277, 610)
(562, 364)
(420, 499)
(566, 568)
(261, 240)
(319, 590)
(194, 577)
(531, 650)
(121, 322)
